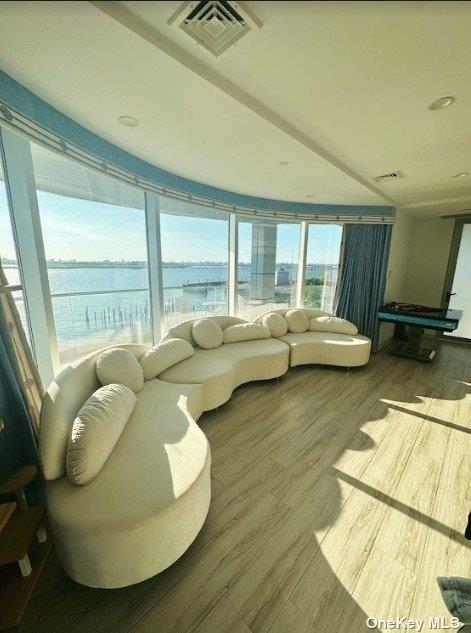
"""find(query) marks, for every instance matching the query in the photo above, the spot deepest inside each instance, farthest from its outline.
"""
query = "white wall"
(418, 260)
(429, 253)
(398, 257)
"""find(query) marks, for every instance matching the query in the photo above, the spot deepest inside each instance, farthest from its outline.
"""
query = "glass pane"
(90, 321)
(7, 242)
(18, 298)
(267, 266)
(287, 253)
(195, 260)
(95, 242)
(323, 255)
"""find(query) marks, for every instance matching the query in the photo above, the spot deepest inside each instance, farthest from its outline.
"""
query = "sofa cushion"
(328, 348)
(245, 332)
(207, 333)
(223, 369)
(332, 324)
(96, 429)
(118, 366)
(183, 330)
(164, 355)
(64, 397)
(277, 324)
(297, 321)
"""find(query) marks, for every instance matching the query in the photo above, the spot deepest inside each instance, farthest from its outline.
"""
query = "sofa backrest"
(183, 329)
(63, 399)
(309, 312)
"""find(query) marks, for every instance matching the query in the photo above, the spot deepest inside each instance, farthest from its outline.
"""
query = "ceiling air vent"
(214, 25)
(393, 175)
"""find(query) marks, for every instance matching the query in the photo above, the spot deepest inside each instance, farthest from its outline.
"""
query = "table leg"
(414, 339)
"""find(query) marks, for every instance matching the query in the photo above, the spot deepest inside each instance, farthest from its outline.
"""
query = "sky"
(84, 230)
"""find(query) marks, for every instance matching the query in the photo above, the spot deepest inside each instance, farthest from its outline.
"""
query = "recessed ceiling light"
(129, 121)
(461, 174)
(283, 163)
(311, 195)
(442, 102)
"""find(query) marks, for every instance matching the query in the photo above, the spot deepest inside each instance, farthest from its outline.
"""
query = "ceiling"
(338, 89)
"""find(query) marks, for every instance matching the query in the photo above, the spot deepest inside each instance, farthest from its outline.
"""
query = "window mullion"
(233, 257)
(300, 284)
(154, 252)
(21, 189)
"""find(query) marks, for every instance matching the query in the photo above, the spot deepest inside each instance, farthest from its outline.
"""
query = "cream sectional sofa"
(221, 370)
(324, 348)
(150, 499)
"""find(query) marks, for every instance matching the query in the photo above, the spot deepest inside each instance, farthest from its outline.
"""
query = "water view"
(103, 301)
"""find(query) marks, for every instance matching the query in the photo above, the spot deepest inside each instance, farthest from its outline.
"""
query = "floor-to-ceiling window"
(194, 260)
(94, 232)
(267, 266)
(8, 255)
(7, 244)
(322, 265)
(94, 236)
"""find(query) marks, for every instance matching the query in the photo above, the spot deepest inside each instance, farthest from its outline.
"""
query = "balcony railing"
(195, 299)
(86, 321)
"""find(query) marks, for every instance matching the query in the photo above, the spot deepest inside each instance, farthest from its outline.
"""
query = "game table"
(410, 323)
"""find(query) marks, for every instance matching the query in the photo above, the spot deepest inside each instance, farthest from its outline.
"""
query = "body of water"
(119, 304)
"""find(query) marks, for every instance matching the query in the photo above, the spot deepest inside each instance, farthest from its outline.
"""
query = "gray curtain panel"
(18, 444)
(363, 277)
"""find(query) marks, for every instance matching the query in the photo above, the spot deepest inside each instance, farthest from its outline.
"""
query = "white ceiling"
(438, 208)
(338, 89)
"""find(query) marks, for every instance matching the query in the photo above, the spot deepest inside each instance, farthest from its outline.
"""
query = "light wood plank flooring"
(336, 495)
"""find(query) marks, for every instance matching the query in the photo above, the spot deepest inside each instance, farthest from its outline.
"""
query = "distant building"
(282, 277)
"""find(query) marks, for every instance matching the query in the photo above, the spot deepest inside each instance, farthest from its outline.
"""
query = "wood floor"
(336, 496)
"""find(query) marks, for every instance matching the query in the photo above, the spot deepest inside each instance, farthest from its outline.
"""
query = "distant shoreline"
(106, 264)
(70, 265)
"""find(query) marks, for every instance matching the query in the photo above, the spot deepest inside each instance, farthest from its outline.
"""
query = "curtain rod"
(37, 133)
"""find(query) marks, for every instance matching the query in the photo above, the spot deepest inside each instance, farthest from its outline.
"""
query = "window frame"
(204, 212)
(95, 194)
(302, 282)
(249, 220)
(27, 233)
(24, 213)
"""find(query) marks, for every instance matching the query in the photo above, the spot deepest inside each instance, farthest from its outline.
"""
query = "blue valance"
(28, 114)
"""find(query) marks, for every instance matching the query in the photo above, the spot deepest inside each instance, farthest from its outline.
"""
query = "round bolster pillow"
(245, 332)
(297, 321)
(207, 333)
(275, 323)
(119, 366)
(165, 355)
(95, 431)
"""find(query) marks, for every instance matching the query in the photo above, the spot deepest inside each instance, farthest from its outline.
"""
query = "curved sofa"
(149, 501)
(221, 370)
(151, 498)
(324, 348)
